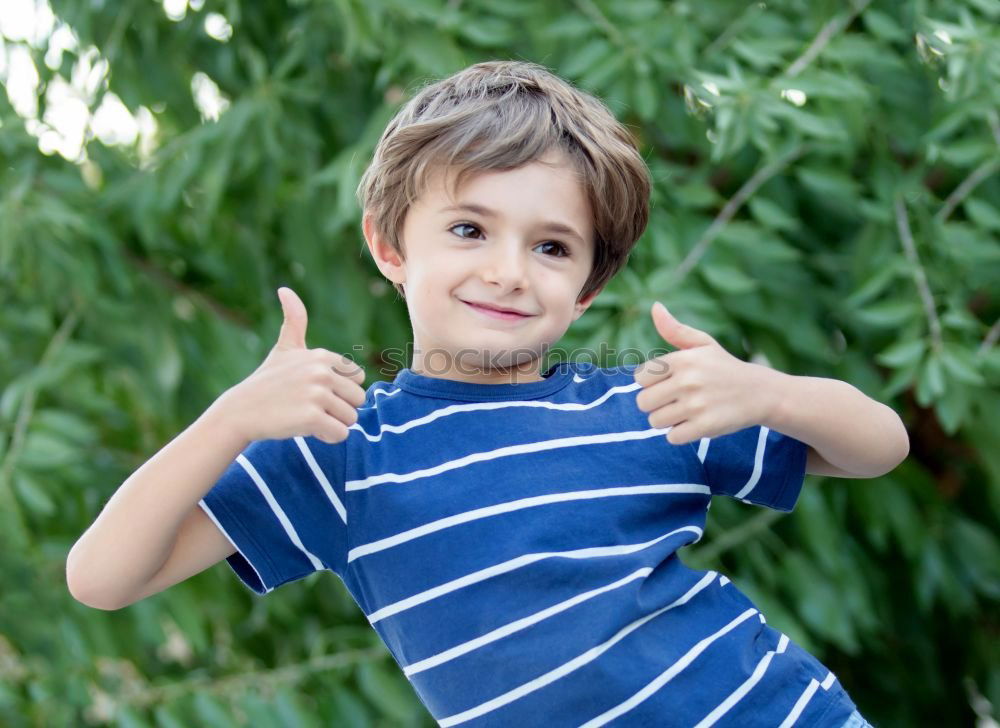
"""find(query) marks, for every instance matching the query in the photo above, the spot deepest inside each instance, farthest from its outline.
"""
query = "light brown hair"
(500, 115)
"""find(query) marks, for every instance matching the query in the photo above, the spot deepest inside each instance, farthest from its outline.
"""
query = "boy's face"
(518, 239)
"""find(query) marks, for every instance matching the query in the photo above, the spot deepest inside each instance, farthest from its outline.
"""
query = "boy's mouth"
(499, 313)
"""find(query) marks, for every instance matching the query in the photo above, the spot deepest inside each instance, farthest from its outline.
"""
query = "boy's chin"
(488, 361)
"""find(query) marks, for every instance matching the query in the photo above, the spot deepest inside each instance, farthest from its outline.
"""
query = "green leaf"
(600, 74)
(167, 717)
(900, 380)
(813, 125)
(962, 364)
(33, 495)
(828, 182)
(433, 53)
(772, 215)
(569, 25)
(883, 26)
(982, 213)
(585, 58)
(351, 712)
(929, 575)
(388, 692)
(45, 451)
(967, 152)
(930, 383)
(488, 32)
(696, 195)
(952, 411)
(291, 712)
(902, 353)
(874, 285)
(728, 279)
(211, 712)
(817, 83)
(645, 96)
(979, 555)
(989, 8)
(888, 313)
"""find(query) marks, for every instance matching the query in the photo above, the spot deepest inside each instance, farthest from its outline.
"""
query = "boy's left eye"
(564, 251)
(561, 247)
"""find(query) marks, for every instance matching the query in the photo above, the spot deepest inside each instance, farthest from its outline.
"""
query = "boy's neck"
(515, 374)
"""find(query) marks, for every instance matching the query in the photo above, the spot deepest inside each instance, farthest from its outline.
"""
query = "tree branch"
(220, 310)
(990, 339)
(919, 275)
(722, 40)
(826, 33)
(993, 119)
(588, 8)
(22, 422)
(731, 207)
(736, 536)
(963, 190)
(251, 680)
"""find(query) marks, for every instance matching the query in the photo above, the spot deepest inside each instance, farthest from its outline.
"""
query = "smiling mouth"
(493, 313)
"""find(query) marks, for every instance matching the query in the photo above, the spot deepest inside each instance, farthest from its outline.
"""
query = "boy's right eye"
(462, 225)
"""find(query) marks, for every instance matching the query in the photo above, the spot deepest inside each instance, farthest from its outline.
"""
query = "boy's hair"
(500, 115)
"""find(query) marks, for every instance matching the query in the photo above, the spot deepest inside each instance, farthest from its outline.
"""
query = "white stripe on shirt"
(500, 452)
(739, 693)
(667, 675)
(472, 407)
(516, 563)
(589, 656)
(758, 464)
(804, 699)
(517, 625)
(278, 512)
(205, 507)
(321, 477)
(514, 505)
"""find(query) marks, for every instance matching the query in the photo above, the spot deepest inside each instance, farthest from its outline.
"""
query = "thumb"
(293, 328)
(675, 333)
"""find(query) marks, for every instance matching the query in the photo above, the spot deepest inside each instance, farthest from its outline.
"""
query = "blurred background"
(826, 201)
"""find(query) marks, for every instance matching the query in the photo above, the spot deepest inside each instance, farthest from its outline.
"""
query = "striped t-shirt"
(515, 547)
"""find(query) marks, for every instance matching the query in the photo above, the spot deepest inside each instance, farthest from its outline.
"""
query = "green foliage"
(827, 197)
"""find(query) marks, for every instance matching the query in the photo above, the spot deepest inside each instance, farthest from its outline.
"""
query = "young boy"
(510, 533)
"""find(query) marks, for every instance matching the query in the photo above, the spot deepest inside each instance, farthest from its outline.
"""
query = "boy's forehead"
(441, 170)
(449, 182)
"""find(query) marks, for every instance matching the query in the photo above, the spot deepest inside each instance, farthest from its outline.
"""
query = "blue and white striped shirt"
(515, 547)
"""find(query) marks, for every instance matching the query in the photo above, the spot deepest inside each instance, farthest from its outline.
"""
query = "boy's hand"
(702, 390)
(296, 391)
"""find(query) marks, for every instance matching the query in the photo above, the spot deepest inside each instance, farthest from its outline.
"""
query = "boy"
(510, 533)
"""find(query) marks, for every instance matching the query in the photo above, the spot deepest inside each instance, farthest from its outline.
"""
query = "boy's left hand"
(702, 390)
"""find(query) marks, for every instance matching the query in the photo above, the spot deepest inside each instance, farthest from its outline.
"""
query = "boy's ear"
(389, 262)
(584, 303)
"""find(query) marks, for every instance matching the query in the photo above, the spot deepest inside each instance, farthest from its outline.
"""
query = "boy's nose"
(506, 268)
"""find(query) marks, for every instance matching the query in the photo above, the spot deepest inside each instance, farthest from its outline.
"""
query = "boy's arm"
(702, 391)
(151, 533)
(849, 434)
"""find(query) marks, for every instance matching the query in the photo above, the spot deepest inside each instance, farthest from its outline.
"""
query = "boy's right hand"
(296, 391)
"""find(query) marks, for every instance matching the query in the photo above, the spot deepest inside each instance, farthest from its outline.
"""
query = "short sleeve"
(756, 465)
(281, 504)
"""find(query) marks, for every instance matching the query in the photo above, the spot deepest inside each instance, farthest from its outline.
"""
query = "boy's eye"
(463, 225)
(563, 250)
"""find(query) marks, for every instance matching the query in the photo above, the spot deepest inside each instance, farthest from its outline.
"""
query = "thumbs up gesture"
(701, 390)
(296, 391)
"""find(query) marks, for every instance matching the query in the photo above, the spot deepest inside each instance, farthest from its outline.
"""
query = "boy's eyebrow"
(550, 225)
